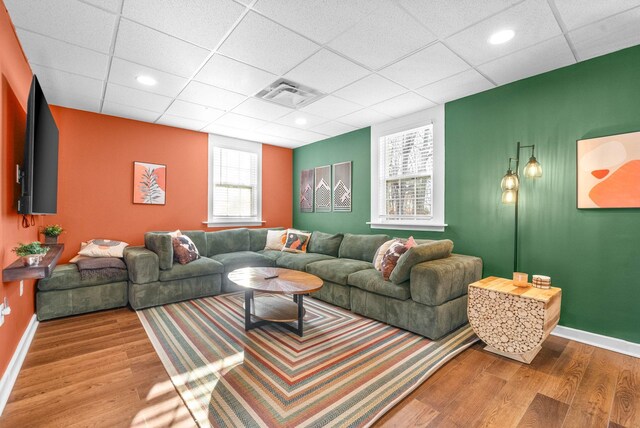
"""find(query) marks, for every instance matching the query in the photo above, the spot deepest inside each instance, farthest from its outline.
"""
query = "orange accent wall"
(15, 76)
(95, 179)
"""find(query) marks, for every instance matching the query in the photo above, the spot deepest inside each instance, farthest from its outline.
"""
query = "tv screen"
(40, 168)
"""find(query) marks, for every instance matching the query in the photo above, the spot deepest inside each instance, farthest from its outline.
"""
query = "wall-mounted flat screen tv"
(39, 173)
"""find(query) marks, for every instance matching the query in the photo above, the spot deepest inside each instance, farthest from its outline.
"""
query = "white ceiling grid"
(373, 60)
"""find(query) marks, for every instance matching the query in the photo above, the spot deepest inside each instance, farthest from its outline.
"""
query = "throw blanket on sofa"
(100, 267)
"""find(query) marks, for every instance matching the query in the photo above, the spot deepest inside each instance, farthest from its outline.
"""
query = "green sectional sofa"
(428, 298)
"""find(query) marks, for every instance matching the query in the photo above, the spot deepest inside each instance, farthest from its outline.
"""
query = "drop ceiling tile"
(384, 36)
(279, 141)
(72, 100)
(319, 20)
(234, 132)
(363, 118)
(201, 22)
(546, 56)
(532, 21)
(110, 5)
(326, 71)
(194, 111)
(207, 95)
(125, 73)
(612, 34)
(291, 133)
(403, 105)
(370, 90)
(447, 17)
(331, 107)
(266, 45)
(306, 120)
(63, 56)
(426, 66)
(575, 13)
(61, 82)
(461, 85)
(115, 109)
(71, 21)
(154, 49)
(333, 128)
(136, 98)
(233, 75)
(234, 120)
(261, 109)
(181, 122)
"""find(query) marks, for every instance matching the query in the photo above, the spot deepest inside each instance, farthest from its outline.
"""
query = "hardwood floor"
(100, 370)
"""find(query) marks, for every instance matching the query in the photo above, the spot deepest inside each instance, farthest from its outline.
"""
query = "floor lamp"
(511, 186)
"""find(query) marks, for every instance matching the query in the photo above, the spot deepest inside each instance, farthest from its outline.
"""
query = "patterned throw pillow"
(297, 241)
(382, 250)
(184, 250)
(103, 248)
(391, 257)
(275, 239)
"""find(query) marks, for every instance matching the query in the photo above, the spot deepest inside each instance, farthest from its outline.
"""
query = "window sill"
(234, 223)
(431, 227)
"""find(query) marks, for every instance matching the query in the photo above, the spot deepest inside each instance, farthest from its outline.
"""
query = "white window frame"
(220, 141)
(436, 223)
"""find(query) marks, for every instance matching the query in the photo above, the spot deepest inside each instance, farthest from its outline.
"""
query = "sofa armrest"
(142, 264)
(161, 244)
(438, 281)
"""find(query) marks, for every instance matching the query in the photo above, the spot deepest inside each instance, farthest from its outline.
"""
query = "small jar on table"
(512, 321)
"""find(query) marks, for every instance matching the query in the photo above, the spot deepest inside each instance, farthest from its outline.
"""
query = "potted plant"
(31, 253)
(51, 233)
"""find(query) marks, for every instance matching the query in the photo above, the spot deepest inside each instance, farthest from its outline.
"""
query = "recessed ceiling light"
(501, 37)
(146, 80)
(301, 121)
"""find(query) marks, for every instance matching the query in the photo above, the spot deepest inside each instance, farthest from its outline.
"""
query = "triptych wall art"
(317, 192)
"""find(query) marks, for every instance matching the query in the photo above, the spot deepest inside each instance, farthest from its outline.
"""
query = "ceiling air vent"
(289, 94)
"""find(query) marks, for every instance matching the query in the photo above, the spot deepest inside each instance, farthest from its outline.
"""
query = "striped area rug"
(347, 370)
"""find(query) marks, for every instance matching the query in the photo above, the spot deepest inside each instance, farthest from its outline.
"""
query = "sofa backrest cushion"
(421, 253)
(227, 241)
(160, 243)
(198, 237)
(325, 243)
(360, 247)
(258, 238)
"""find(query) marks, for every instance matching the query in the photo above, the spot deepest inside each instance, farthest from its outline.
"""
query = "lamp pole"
(515, 234)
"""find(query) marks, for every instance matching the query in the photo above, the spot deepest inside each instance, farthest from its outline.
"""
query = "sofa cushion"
(160, 243)
(361, 247)
(241, 259)
(200, 267)
(272, 254)
(299, 261)
(418, 254)
(227, 241)
(142, 265)
(337, 270)
(438, 281)
(199, 238)
(371, 280)
(325, 243)
(67, 276)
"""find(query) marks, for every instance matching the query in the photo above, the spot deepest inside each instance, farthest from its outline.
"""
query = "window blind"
(405, 174)
(235, 183)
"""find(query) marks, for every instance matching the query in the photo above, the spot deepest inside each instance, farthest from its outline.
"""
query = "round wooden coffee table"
(268, 308)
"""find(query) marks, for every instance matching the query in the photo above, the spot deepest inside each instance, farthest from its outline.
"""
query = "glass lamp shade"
(533, 169)
(509, 181)
(509, 197)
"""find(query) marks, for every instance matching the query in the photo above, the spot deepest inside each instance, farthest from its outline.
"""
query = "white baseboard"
(605, 342)
(11, 374)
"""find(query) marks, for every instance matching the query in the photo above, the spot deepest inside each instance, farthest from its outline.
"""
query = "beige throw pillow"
(103, 248)
(275, 239)
(377, 259)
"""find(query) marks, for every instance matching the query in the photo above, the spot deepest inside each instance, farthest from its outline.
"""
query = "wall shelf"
(16, 271)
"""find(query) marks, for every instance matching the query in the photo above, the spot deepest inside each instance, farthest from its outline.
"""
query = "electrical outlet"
(6, 310)
(1, 313)
(21, 288)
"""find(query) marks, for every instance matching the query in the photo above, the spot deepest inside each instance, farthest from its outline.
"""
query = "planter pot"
(32, 259)
(50, 239)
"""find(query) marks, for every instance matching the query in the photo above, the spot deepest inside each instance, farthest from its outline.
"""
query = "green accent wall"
(593, 255)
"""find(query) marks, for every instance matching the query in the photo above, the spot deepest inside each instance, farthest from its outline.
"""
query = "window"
(234, 182)
(407, 172)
